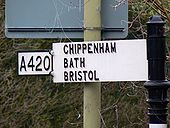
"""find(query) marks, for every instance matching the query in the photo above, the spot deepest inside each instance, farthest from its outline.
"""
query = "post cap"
(157, 19)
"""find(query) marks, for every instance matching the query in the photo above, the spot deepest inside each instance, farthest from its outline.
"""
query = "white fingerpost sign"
(121, 60)
(157, 125)
(34, 63)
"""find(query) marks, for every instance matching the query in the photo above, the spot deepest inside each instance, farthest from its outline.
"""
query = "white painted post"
(92, 91)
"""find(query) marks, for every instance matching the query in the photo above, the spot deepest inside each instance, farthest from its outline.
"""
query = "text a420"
(34, 63)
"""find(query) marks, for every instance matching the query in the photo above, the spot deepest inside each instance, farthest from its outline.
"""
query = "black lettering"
(96, 47)
(65, 49)
(71, 63)
(90, 75)
(71, 76)
(75, 48)
(89, 48)
(84, 48)
(75, 76)
(79, 75)
(101, 47)
(95, 76)
(46, 61)
(113, 48)
(82, 62)
(71, 49)
(39, 60)
(65, 76)
(31, 63)
(107, 48)
(76, 61)
(65, 63)
(85, 73)
(78, 48)
(23, 66)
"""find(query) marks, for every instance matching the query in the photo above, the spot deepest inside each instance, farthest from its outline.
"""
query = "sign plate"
(100, 61)
(62, 18)
(34, 63)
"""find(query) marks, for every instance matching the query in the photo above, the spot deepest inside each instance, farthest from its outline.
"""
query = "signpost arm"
(92, 91)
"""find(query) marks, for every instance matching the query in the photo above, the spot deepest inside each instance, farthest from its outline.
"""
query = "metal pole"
(92, 91)
(157, 85)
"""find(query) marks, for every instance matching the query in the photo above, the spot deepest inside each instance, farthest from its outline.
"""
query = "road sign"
(34, 63)
(122, 60)
(62, 18)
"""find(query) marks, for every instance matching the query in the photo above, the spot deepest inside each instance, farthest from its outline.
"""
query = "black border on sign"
(60, 29)
(27, 51)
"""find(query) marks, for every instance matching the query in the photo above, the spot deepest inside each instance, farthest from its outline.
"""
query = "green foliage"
(124, 105)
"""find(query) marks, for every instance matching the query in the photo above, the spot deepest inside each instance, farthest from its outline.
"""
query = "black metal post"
(157, 85)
